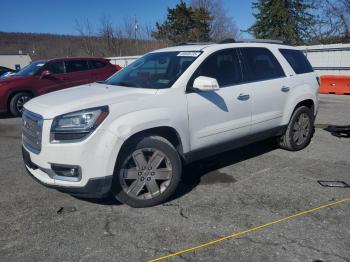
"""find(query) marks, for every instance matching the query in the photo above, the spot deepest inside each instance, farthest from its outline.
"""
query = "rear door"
(100, 69)
(216, 117)
(269, 87)
(77, 73)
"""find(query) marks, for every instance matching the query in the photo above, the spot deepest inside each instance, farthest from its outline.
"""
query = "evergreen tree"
(288, 20)
(184, 24)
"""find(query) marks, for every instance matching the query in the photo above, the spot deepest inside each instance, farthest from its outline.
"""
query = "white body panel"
(201, 119)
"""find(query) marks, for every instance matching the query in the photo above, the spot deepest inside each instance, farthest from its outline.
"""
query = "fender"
(299, 93)
(129, 124)
(20, 89)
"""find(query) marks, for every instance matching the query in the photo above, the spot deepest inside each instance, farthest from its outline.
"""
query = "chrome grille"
(32, 125)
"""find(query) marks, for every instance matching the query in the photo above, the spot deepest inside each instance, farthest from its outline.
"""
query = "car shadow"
(6, 116)
(338, 131)
(205, 171)
(108, 200)
(193, 174)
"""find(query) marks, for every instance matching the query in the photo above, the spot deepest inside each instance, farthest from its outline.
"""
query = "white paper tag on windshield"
(191, 54)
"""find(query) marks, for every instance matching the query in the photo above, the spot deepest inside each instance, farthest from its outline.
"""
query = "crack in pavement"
(315, 249)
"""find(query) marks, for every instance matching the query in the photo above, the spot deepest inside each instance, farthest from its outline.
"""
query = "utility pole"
(136, 27)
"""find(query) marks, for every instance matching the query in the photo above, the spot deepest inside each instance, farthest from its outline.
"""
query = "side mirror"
(205, 84)
(45, 74)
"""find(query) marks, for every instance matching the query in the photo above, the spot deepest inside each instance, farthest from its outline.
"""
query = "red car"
(42, 77)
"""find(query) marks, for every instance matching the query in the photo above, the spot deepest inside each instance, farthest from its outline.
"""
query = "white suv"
(132, 133)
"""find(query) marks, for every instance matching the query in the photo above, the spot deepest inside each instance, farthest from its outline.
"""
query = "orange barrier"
(339, 85)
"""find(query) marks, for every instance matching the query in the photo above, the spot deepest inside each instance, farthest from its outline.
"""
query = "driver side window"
(55, 68)
(223, 65)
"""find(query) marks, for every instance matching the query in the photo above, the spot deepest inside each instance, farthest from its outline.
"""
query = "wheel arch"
(12, 93)
(308, 101)
(167, 132)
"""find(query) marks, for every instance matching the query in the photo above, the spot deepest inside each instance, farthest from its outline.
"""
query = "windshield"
(31, 69)
(155, 70)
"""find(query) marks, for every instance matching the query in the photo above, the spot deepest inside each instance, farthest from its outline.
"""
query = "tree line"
(296, 21)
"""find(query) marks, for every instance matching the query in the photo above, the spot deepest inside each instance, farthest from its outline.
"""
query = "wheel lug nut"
(152, 174)
(142, 178)
(148, 179)
(140, 173)
(143, 168)
(149, 168)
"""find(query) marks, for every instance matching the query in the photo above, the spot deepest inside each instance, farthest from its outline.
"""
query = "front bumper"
(95, 157)
(94, 188)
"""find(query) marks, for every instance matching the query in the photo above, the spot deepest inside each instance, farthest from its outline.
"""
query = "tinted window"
(260, 64)
(76, 65)
(95, 64)
(55, 67)
(297, 61)
(223, 66)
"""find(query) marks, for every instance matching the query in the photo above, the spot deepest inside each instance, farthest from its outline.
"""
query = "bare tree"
(222, 25)
(86, 31)
(332, 21)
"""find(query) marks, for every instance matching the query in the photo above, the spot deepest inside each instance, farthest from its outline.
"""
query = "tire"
(17, 102)
(299, 131)
(147, 172)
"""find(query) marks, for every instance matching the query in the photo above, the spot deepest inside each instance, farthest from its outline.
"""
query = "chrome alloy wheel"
(301, 129)
(146, 173)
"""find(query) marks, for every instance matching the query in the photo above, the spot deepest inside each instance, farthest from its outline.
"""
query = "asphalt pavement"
(232, 192)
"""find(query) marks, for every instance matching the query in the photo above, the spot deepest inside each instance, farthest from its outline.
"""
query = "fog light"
(66, 171)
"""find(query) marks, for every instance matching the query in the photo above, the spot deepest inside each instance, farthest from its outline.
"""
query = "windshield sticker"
(163, 81)
(39, 65)
(191, 54)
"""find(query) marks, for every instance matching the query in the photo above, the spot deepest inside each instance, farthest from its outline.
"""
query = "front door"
(224, 115)
(53, 82)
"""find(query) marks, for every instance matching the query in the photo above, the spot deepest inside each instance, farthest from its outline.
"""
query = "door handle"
(243, 97)
(285, 89)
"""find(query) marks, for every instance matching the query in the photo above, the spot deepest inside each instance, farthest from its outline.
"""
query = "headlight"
(77, 125)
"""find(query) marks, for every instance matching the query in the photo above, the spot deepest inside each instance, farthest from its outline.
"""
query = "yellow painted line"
(234, 235)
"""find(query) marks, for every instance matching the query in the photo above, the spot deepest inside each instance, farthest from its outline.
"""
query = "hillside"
(45, 46)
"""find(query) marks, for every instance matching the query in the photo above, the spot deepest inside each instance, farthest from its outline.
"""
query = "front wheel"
(17, 102)
(299, 131)
(147, 172)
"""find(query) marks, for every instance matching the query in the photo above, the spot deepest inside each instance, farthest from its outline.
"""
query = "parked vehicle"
(4, 71)
(133, 133)
(42, 77)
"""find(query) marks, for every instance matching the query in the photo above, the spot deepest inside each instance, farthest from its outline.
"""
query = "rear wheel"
(299, 131)
(148, 171)
(17, 102)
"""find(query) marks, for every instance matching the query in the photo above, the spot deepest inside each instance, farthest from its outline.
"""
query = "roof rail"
(267, 41)
(227, 41)
(195, 43)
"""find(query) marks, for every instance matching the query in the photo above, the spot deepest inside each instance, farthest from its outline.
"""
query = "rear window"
(260, 64)
(76, 65)
(95, 64)
(297, 61)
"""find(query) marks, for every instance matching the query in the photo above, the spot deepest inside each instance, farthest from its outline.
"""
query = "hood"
(14, 79)
(83, 97)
